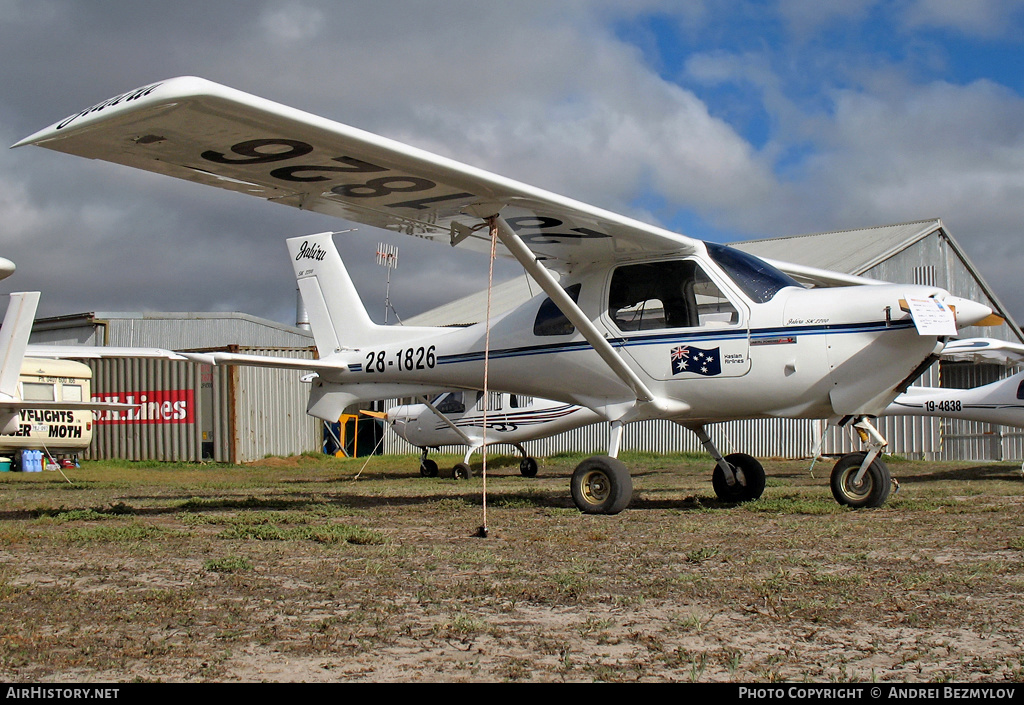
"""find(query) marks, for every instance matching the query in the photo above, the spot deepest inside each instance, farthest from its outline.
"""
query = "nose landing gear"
(861, 479)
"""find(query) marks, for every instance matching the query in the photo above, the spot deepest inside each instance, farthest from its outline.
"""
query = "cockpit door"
(676, 321)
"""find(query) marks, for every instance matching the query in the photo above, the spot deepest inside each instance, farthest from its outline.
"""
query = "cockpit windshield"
(755, 277)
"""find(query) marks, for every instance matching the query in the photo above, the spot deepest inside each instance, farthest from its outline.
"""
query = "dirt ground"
(297, 570)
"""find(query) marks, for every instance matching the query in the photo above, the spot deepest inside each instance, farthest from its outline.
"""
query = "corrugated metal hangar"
(237, 414)
(190, 411)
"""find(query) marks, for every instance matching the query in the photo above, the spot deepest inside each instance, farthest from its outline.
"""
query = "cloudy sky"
(723, 120)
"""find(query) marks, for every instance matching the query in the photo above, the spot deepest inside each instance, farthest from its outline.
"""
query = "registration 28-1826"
(404, 359)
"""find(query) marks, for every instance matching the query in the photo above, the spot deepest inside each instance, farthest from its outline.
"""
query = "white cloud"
(982, 18)
(543, 92)
(291, 22)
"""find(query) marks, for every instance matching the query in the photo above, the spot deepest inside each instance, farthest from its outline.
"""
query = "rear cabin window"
(673, 294)
(518, 401)
(494, 401)
(550, 319)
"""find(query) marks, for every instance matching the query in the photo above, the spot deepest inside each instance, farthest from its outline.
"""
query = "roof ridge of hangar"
(934, 222)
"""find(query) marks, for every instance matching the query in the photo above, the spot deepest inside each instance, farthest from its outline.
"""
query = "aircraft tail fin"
(336, 314)
(17, 325)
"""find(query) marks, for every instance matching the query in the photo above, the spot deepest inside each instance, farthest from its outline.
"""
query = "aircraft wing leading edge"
(204, 132)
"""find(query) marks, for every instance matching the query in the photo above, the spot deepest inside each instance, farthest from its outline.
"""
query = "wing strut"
(515, 245)
(461, 434)
(572, 311)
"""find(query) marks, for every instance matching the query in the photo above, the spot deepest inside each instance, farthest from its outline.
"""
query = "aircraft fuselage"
(809, 353)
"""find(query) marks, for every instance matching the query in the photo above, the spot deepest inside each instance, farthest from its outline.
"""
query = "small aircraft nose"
(400, 417)
(971, 313)
(6, 267)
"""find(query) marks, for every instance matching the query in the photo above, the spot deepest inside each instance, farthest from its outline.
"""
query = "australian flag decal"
(687, 358)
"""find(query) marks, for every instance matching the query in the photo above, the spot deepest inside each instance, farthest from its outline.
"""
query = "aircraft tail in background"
(17, 326)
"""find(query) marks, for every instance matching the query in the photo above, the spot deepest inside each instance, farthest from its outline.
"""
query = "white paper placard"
(932, 317)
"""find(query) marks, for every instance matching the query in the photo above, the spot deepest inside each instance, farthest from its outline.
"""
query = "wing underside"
(203, 132)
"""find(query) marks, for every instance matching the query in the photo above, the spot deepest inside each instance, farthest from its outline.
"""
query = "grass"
(228, 564)
(191, 573)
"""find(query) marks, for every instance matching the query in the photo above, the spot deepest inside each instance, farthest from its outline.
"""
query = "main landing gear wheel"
(871, 491)
(601, 485)
(428, 468)
(462, 471)
(528, 467)
(749, 483)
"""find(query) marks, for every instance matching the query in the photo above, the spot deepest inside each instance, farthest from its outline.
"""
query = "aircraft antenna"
(387, 257)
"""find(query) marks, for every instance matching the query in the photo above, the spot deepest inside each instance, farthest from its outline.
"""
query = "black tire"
(748, 487)
(428, 468)
(462, 471)
(601, 485)
(528, 467)
(873, 489)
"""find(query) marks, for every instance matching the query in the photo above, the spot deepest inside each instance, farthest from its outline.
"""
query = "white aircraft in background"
(641, 322)
(459, 418)
(1000, 402)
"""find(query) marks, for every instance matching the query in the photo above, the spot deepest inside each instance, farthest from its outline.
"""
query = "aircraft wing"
(19, 404)
(89, 352)
(282, 363)
(984, 350)
(208, 133)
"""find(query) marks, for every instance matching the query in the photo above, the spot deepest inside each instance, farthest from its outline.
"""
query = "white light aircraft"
(1000, 402)
(643, 323)
(508, 418)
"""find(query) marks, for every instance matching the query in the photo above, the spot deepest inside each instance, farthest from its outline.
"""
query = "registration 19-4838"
(405, 359)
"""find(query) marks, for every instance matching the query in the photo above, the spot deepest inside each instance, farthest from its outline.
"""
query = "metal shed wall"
(138, 435)
(270, 408)
(232, 414)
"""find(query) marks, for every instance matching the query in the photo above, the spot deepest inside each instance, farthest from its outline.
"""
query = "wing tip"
(172, 87)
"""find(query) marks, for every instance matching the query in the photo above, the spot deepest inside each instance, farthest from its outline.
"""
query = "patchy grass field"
(295, 570)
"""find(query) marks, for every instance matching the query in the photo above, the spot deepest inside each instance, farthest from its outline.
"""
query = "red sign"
(161, 406)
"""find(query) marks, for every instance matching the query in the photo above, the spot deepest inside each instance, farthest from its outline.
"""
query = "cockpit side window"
(755, 277)
(1020, 390)
(550, 319)
(672, 294)
(452, 403)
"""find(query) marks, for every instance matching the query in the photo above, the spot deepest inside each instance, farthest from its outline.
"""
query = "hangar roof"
(174, 331)
(846, 251)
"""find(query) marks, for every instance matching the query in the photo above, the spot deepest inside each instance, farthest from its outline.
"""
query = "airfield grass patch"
(312, 569)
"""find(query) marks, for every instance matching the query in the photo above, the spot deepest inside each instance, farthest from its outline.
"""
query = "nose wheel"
(428, 468)
(861, 479)
(856, 489)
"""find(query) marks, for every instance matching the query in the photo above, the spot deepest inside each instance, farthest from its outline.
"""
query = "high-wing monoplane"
(473, 419)
(640, 322)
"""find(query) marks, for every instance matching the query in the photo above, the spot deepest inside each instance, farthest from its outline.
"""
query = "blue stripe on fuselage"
(678, 338)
